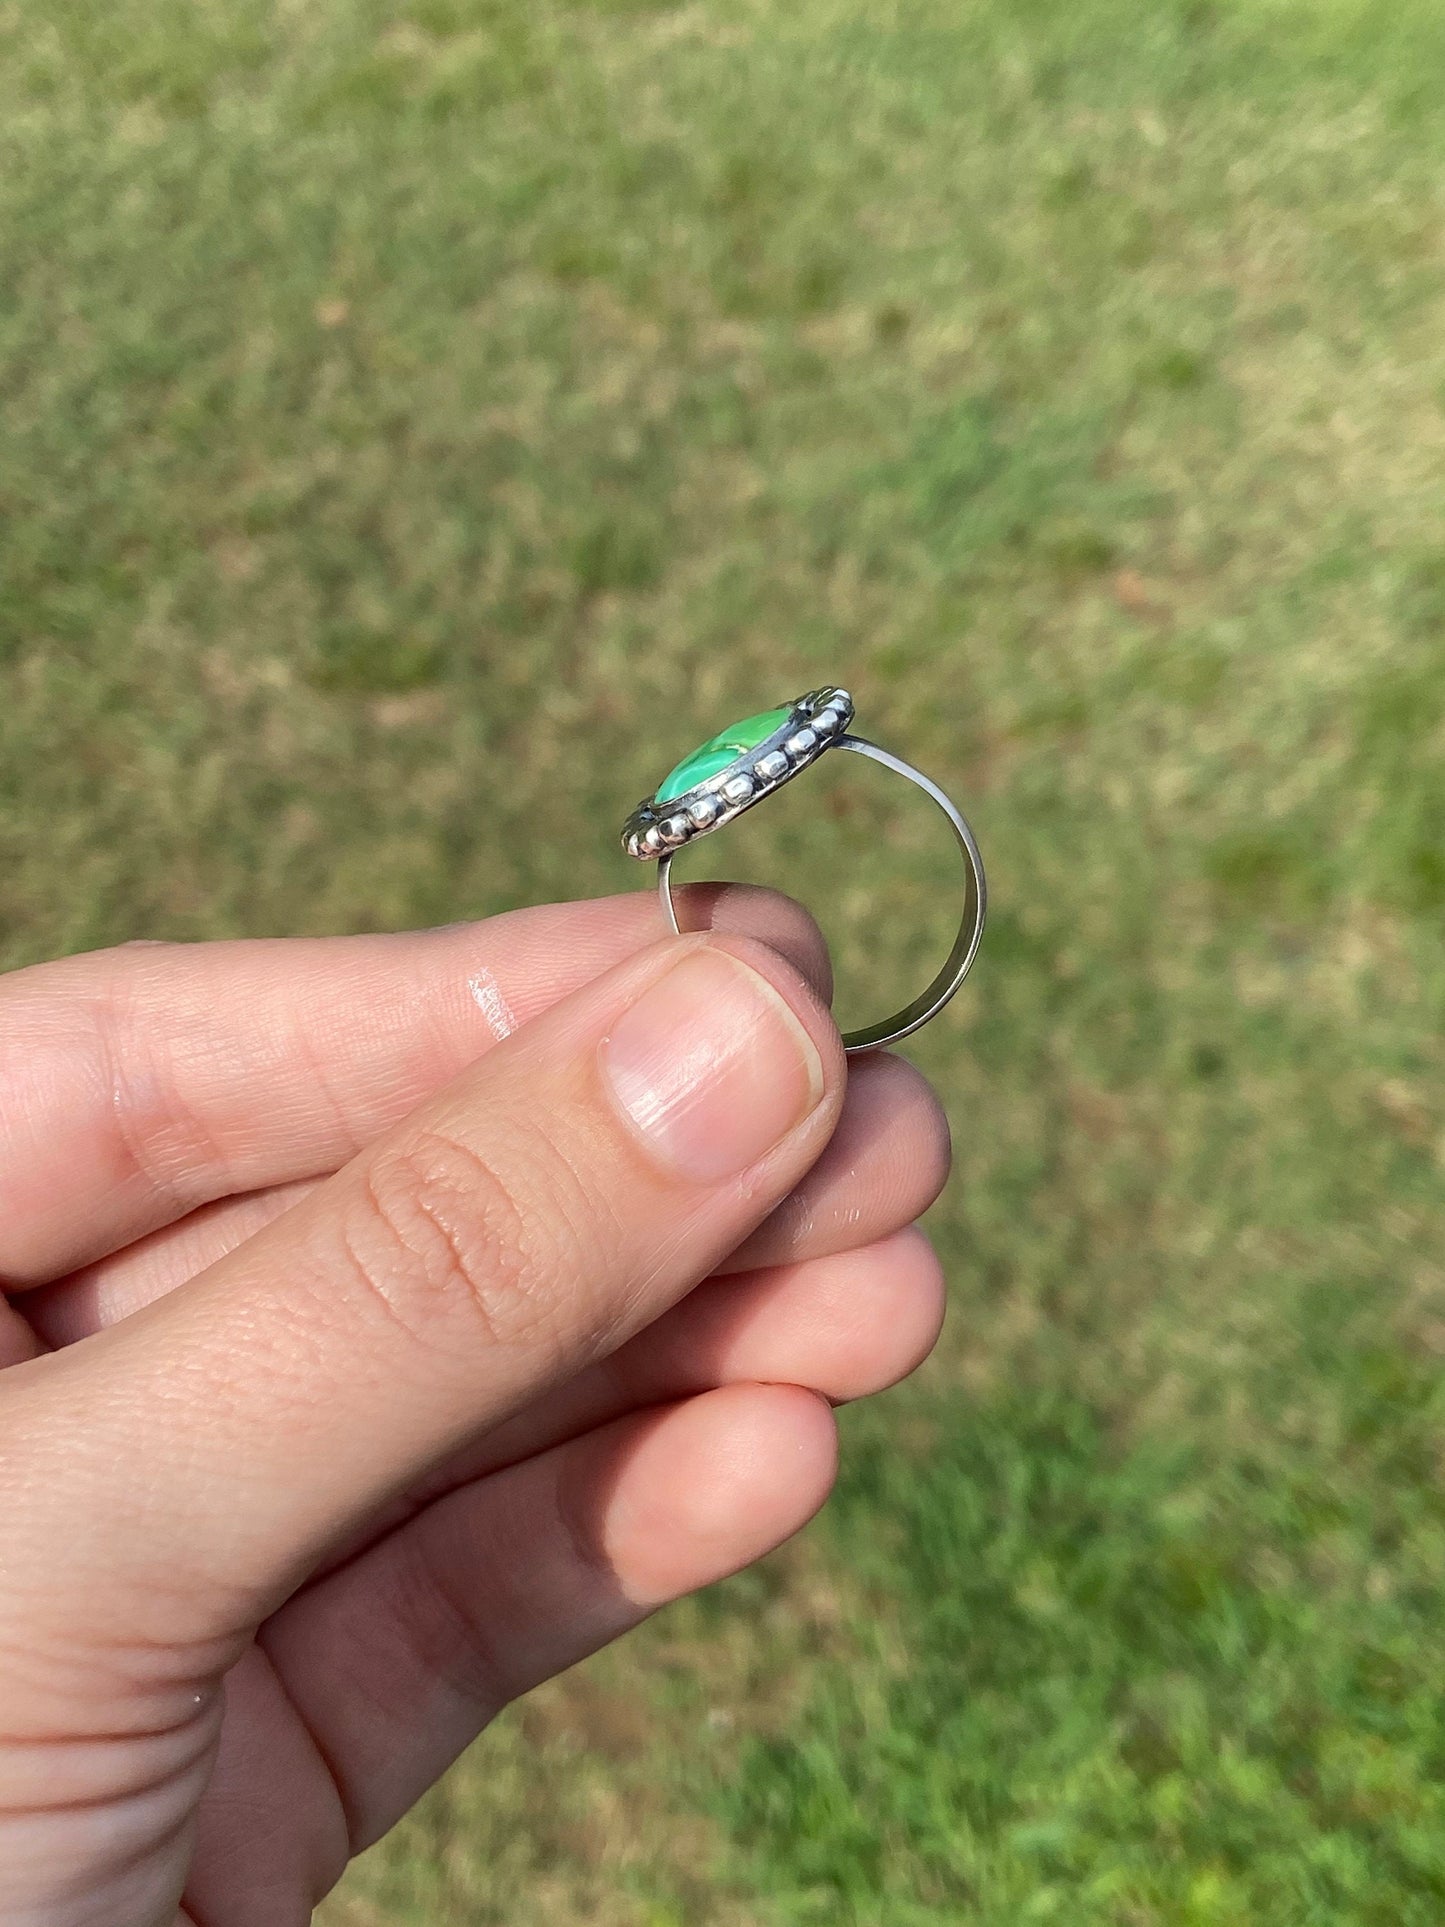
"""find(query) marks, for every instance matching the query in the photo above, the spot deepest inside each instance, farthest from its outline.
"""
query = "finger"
(532, 1217)
(113, 1287)
(144, 1081)
(397, 1661)
(844, 1326)
(886, 1162)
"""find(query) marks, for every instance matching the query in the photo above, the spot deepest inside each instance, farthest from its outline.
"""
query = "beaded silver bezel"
(816, 721)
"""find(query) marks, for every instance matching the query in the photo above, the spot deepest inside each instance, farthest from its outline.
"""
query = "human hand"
(356, 1378)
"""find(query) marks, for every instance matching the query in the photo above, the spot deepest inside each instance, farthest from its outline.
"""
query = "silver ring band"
(929, 1002)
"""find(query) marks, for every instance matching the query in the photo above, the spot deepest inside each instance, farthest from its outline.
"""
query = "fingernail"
(711, 1067)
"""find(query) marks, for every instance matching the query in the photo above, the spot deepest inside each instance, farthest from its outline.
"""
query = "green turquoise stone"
(720, 750)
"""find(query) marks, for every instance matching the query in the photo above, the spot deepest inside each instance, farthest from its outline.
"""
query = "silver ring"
(748, 761)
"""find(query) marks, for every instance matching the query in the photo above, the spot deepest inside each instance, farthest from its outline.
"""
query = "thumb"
(180, 1473)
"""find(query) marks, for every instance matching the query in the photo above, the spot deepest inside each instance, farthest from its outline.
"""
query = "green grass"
(421, 422)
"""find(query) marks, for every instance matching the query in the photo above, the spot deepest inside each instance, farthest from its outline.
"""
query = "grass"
(423, 420)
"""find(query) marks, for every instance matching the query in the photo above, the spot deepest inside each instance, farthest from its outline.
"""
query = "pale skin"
(389, 1322)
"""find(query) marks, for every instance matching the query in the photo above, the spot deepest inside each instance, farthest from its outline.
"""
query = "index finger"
(528, 1219)
(145, 1081)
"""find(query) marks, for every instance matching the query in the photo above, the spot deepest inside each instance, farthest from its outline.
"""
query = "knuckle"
(442, 1234)
(150, 1075)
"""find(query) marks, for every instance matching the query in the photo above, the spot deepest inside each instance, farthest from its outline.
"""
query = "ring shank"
(930, 1001)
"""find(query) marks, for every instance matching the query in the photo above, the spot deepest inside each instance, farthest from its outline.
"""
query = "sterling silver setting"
(817, 719)
(816, 723)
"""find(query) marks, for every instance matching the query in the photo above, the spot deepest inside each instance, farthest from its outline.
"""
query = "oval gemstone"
(720, 750)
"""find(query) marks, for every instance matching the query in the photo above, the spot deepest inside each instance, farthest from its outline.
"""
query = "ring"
(750, 760)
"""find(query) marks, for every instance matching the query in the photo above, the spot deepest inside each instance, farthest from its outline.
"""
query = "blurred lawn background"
(422, 420)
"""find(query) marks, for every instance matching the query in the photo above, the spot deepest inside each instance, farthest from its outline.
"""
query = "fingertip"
(848, 1325)
(713, 1484)
(907, 1308)
(895, 1102)
(888, 1159)
(769, 916)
